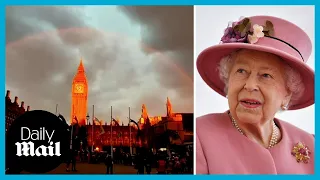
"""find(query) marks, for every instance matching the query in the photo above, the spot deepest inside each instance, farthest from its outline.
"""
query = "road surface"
(85, 168)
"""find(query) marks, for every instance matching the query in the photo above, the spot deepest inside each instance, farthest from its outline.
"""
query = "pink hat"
(279, 37)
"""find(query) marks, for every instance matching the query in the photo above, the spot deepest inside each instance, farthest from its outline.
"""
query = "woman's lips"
(250, 103)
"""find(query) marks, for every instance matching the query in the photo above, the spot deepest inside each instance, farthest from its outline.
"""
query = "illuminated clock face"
(79, 88)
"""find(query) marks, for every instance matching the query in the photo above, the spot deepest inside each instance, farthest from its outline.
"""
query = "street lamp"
(87, 118)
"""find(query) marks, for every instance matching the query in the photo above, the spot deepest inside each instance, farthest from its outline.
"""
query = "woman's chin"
(251, 117)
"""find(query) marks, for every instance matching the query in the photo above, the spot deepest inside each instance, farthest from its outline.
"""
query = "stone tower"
(79, 91)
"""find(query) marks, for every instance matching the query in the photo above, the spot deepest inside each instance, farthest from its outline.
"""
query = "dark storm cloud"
(168, 30)
(41, 63)
(27, 20)
(42, 66)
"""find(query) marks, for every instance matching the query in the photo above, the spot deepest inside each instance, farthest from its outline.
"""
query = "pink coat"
(221, 149)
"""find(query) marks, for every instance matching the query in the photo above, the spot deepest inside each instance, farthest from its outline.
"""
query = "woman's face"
(256, 87)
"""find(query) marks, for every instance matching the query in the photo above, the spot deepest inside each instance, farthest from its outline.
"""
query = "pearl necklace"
(274, 136)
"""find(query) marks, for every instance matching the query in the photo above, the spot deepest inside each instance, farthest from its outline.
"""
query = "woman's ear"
(287, 99)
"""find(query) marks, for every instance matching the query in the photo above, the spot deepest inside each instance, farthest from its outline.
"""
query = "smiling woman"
(261, 69)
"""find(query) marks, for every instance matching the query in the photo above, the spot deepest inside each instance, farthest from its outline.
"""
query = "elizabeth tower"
(79, 96)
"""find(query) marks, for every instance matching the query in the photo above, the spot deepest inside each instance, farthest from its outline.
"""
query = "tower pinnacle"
(81, 67)
(169, 108)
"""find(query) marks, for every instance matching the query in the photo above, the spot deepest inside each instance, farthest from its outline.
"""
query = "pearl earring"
(283, 107)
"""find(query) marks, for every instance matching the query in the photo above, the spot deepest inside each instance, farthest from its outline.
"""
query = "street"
(85, 168)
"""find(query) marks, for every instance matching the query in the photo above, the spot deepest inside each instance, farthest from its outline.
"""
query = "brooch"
(301, 152)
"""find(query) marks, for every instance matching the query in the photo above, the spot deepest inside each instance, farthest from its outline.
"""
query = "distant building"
(120, 137)
(182, 123)
(179, 123)
(13, 110)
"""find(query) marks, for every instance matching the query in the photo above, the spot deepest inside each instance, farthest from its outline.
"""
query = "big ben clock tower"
(79, 96)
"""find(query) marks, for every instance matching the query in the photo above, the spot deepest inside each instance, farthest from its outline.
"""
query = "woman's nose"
(251, 83)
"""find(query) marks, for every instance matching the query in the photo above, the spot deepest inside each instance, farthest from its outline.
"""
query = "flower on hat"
(233, 33)
(257, 33)
(242, 32)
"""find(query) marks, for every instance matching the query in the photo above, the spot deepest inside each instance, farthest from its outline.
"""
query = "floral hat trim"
(242, 31)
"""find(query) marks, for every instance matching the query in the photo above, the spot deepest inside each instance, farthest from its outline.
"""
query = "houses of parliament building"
(120, 135)
(100, 136)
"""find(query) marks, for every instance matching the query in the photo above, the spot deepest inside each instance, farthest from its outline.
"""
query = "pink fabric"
(221, 149)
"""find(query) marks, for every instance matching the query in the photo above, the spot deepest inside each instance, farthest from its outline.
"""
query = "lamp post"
(87, 117)
(87, 144)
(71, 136)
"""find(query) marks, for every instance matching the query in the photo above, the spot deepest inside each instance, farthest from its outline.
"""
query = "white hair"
(293, 78)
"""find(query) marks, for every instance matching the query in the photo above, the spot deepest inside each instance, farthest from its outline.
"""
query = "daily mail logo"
(27, 147)
(37, 142)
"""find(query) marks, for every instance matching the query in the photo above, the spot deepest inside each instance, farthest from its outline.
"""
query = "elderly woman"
(260, 67)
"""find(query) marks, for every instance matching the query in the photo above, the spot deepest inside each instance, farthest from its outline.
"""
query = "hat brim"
(208, 60)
